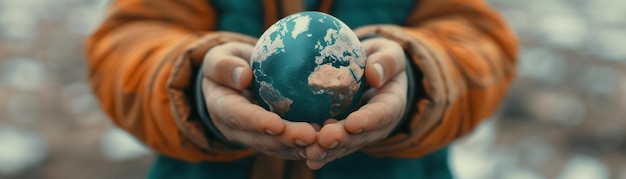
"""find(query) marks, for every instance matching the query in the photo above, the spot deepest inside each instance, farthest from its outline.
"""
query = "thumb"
(385, 60)
(228, 65)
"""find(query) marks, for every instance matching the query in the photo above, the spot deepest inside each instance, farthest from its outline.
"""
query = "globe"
(308, 67)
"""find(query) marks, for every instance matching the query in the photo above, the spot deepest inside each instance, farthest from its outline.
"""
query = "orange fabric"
(467, 55)
(271, 12)
(141, 59)
(325, 6)
(291, 7)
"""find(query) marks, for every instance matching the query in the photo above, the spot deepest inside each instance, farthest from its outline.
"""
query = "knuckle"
(359, 115)
(358, 120)
(387, 57)
(221, 68)
(391, 61)
(257, 144)
(220, 62)
(377, 114)
(387, 122)
(371, 111)
(261, 123)
(275, 145)
(260, 120)
(383, 58)
(362, 141)
(233, 122)
(394, 44)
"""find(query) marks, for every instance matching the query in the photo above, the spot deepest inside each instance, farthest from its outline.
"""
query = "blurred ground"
(563, 118)
(50, 123)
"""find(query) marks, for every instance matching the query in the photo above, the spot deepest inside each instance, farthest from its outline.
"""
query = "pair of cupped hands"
(228, 74)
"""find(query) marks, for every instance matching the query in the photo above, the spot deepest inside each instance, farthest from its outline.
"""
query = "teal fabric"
(166, 168)
(361, 165)
(311, 5)
(246, 17)
(242, 16)
(358, 165)
(357, 13)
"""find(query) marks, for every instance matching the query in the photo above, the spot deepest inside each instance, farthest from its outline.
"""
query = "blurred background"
(563, 118)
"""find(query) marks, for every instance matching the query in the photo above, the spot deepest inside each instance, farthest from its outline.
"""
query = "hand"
(385, 71)
(227, 73)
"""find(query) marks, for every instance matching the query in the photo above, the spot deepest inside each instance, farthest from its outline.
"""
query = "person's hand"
(374, 121)
(227, 73)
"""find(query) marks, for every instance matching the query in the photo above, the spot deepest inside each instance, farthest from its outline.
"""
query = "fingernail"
(359, 131)
(323, 156)
(300, 143)
(302, 154)
(237, 75)
(335, 144)
(379, 69)
(269, 132)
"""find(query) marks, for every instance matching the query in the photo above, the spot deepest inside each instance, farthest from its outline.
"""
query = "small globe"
(309, 67)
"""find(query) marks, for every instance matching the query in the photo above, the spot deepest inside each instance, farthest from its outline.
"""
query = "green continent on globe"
(309, 67)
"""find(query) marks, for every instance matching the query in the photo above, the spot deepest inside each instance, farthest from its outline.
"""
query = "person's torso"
(247, 17)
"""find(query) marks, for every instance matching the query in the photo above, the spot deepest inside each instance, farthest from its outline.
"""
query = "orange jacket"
(141, 62)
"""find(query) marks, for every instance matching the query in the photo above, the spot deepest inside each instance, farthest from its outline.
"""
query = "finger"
(342, 151)
(251, 117)
(237, 112)
(298, 134)
(372, 44)
(227, 65)
(315, 152)
(316, 126)
(315, 165)
(330, 121)
(236, 49)
(370, 117)
(268, 144)
(383, 109)
(332, 135)
(239, 49)
(230, 71)
(258, 141)
(385, 60)
(318, 164)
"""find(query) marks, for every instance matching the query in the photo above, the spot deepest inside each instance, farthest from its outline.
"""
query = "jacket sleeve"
(141, 63)
(464, 56)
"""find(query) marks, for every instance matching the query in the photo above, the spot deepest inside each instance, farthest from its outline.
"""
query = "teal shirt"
(245, 16)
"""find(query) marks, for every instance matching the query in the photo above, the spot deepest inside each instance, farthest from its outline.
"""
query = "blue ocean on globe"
(309, 67)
